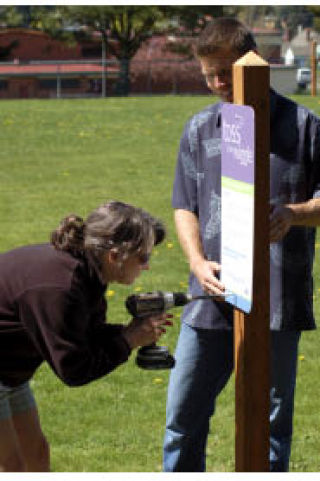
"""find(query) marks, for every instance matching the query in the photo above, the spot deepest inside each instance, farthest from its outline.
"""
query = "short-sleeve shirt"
(294, 178)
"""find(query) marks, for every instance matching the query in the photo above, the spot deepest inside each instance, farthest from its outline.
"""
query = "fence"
(86, 78)
(92, 79)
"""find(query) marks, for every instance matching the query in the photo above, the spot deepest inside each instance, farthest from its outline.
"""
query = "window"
(3, 84)
(70, 83)
(66, 83)
(48, 83)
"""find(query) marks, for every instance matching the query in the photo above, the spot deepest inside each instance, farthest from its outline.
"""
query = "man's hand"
(206, 273)
(281, 219)
(142, 332)
(187, 225)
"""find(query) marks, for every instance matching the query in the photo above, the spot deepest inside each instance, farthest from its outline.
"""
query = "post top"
(252, 59)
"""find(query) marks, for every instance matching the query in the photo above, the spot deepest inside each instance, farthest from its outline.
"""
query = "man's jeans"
(204, 363)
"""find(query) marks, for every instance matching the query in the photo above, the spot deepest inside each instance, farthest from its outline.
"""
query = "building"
(300, 46)
(42, 67)
(55, 79)
(39, 66)
(269, 43)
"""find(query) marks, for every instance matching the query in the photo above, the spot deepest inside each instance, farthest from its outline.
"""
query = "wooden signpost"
(251, 87)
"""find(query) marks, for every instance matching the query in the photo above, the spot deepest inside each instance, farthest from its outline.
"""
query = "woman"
(52, 308)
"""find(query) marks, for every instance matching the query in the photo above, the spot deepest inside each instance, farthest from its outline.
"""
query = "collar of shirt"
(273, 108)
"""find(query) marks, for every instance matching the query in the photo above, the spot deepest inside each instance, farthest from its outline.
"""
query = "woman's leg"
(10, 455)
(23, 446)
(33, 445)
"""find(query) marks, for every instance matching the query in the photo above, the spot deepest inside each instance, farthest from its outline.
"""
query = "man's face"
(217, 70)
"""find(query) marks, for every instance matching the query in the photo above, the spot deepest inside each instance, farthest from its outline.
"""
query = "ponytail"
(69, 235)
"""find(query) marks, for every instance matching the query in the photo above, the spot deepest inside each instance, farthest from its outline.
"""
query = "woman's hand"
(142, 332)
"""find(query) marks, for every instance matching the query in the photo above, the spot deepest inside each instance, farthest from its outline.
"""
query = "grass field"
(62, 156)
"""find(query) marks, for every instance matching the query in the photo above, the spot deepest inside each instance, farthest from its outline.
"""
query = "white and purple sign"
(237, 203)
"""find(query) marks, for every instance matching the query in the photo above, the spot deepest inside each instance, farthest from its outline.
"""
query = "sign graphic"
(237, 203)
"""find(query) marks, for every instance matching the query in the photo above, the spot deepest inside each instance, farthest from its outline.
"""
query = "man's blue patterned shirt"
(294, 178)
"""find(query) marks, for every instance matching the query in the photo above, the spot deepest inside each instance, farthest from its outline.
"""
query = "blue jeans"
(204, 363)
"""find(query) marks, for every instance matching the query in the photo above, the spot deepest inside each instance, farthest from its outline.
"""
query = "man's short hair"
(225, 33)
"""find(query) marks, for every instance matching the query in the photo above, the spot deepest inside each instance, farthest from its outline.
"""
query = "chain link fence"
(89, 79)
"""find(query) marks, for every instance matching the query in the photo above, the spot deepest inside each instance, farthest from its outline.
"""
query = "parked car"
(303, 77)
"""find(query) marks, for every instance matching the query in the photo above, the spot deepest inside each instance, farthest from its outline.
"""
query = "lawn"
(62, 156)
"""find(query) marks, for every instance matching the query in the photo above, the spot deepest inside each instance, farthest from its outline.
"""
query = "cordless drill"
(153, 303)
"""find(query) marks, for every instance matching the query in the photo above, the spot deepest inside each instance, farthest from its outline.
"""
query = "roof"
(22, 31)
(301, 43)
(266, 31)
(49, 70)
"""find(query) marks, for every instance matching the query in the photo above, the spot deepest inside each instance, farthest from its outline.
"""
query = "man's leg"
(284, 352)
(204, 363)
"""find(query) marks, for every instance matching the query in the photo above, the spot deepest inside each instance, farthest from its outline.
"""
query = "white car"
(303, 77)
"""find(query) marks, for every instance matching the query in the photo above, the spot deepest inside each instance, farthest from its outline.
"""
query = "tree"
(5, 51)
(10, 16)
(190, 19)
(315, 11)
(130, 26)
(254, 15)
(122, 29)
(185, 22)
(292, 17)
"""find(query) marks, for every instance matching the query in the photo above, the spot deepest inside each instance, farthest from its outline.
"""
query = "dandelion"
(157, 380)
(110, 293)
(169, 245)
(138, 289)
(301, 358)
(83, 134)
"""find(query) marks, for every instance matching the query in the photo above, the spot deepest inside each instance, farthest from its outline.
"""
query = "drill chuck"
(149, 303)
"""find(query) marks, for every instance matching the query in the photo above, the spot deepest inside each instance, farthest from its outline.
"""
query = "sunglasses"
(144, 258)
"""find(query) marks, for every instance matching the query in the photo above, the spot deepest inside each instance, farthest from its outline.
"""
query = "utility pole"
(313, 62)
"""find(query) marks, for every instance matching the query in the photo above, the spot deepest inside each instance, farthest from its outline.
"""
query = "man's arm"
(286, 216)
(187, 226)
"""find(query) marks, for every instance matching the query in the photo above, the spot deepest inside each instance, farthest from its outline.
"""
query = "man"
(204, 354)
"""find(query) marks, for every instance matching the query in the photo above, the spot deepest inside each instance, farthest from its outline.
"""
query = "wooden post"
(251, 86)
(313, 62)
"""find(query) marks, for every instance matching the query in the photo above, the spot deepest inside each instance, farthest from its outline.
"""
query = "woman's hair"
(115, 224)
(225, 33)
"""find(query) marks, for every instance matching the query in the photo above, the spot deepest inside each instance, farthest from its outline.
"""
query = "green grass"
(62, 156)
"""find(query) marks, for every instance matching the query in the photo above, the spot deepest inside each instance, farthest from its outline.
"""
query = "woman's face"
(125, 271)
